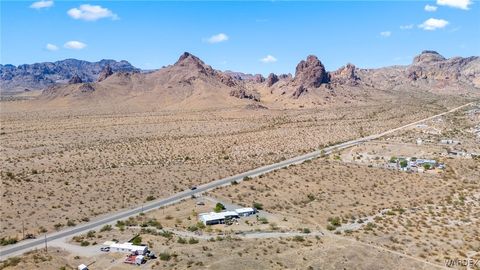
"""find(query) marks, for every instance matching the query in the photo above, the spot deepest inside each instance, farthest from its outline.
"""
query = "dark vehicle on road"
(105, 249)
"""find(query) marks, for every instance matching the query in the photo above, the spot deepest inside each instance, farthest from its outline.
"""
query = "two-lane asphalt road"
(27, 245)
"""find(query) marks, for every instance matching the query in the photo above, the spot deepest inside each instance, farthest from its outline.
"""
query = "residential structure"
(213, 218)
(128, 248)
(245, 212)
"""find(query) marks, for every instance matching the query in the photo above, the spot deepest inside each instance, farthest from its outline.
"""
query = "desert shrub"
(192, 241)
(263, 220)
(298, 238)
(150, 198)
(70, 223)
(330, 227)
(154, 223)
(84, 243)
(219, 207)
(166, 234)
(200, 225)
(181, 240)
(137, 240)
(106, 228)
(8, 241)
(164, 256)
(257, 206)
(192, 228)
(11, 262)
(335, 221)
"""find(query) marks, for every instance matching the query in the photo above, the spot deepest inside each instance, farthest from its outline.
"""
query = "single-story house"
(245, 212)
(128, 248)
(213, 218)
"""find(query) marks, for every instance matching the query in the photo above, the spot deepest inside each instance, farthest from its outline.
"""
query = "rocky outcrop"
(346, 75)
(86, 87)
(75, 79)
(301, 90)
(428, 57)
(310, 72)
(430, 66)
(272, 79)
(226, 79)
(105, 73)
(243, 94)
(285, 76)
(258, 78)
(193, 63)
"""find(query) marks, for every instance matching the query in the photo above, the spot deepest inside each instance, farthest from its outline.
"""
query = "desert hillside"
(192, 84)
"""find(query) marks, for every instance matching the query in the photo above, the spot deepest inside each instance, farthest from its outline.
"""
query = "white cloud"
(42, 4)
(430, 8)
(385, 34)
(88, 12)
(76, 45)
(462, 4)
(268, 59)
(217, 38)
(433, 24)
(406, 27)
(51, 47)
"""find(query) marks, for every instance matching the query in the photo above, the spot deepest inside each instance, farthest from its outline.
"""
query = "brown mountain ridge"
(192, 83)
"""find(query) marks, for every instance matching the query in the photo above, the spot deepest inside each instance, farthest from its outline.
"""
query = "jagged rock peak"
(310, 72)
(187, 57)
(345, 75)
(105, 73)
(299, 92)
(191, 61)
(258, 78)
(272, 79)
(428, 56)
(75, 79)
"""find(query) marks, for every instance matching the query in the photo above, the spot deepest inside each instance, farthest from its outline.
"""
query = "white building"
(128, 248)
(213, 218)
(245, 212)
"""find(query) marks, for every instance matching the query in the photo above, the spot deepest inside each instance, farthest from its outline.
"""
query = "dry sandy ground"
(434, 217)
(230, 253)
(60, 168)
(225, 251)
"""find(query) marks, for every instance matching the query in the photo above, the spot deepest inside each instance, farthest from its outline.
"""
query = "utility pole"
(46, 250)
(123, 193)
(23, 229)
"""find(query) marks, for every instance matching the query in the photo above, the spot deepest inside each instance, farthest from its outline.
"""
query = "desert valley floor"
(63, 168)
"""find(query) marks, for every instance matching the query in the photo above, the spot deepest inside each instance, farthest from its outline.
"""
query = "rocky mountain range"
(42, 75)
(192, 83)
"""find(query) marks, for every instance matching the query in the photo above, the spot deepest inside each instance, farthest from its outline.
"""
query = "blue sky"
(238, 35)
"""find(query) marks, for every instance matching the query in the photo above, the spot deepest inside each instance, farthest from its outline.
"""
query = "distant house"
(213, 218)
(448, 141)
(245, 212)
(421, 162)
(128, 248)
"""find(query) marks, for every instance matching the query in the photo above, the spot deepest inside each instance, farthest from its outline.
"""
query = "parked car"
(105, 249)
